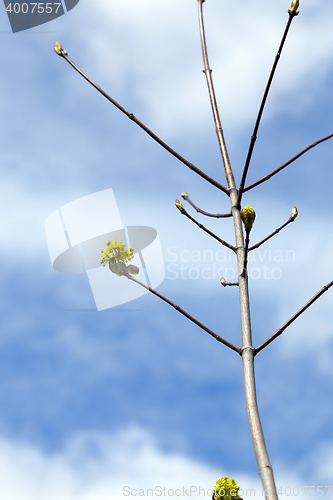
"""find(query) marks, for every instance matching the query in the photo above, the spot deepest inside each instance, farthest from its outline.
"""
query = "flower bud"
(222, 281)
(184, 195)
(179, 206)
(248, 215)
(294, 213)
(294, 7)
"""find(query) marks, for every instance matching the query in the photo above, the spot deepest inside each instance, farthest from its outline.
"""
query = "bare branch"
(292, 319)
(263, 179)
(208, 72)
(291, 219)
(185, 197)
(64, 54)
(292, 14)
(213, 334)
(183, 211)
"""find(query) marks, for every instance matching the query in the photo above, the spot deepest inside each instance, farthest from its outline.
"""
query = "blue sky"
(137, 395)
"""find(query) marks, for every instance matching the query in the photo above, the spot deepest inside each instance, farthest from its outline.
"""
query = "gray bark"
(264, 466)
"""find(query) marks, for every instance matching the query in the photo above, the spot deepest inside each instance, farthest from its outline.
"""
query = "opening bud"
(58, 48)
(179, 205)
(294, 7)
(248, 215)
(294, 213)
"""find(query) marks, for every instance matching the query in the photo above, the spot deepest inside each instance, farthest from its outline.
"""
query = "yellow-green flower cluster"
(226, 489)
(114, 252)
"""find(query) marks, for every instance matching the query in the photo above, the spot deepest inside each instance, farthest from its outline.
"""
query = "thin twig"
(226, 283)
(257, 245)
(225, 243)
(263, 102)
(185, 197)
(208, 72)
(266, 177)
(213, 334)
(146, 129)
(292, 319)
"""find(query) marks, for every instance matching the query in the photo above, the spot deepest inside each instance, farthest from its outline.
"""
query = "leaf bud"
(179, 205)
(294, 213)
(248, 215)
(184, 195)
(223, 280)
(294, 7)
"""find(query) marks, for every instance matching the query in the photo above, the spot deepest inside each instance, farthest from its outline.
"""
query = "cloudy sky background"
(137, 395)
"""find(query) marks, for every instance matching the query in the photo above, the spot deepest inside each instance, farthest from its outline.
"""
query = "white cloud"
(98, 466)
(154, 53)
(25, 209)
